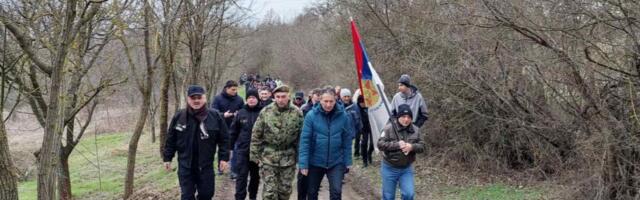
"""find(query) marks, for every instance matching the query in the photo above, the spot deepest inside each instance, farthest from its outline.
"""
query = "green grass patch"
(88, 181)
(493, 191)
(242, 92)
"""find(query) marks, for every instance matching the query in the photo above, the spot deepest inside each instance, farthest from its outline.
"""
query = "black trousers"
(197, 180)
(246, 169)
(356, 143)
(366, 147)
(302, 186)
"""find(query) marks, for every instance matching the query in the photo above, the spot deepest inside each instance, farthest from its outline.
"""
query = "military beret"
(282, 88)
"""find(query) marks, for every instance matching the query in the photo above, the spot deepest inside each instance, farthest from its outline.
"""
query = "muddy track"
(355, 187)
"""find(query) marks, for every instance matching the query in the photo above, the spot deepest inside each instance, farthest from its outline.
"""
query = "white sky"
(286, 9)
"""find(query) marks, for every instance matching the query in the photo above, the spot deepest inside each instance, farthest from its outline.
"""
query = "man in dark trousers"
(240, 132)
(194, 133)
(366, 142)
(228, 103)
(325, 146)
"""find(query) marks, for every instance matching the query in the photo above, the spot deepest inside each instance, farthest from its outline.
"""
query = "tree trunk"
(152, 122)
(8, 175)
(144, 108)
(164, 101)
(133, 148)
(64, 186)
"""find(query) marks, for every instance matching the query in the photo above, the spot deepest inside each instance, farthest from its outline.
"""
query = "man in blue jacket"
(325, 146)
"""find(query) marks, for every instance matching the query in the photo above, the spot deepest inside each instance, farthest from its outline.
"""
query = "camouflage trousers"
(277, 181)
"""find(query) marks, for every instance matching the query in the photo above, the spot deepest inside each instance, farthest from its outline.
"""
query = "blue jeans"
(392, 176)
(335, 175)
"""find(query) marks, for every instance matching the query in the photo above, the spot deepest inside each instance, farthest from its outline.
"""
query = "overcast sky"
(286, 9)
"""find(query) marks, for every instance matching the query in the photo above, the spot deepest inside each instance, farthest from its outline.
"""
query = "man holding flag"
(402, 139)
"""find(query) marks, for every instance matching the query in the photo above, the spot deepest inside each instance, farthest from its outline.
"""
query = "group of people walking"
(270, 139)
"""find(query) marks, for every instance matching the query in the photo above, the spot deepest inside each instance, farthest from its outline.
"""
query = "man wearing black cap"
(399, 143)
(299, 99)
(194, 133)
(409, 94)
(240, 132)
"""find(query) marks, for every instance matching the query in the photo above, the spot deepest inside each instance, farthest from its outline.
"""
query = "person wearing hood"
(400, 141)
(325, 146)
(194, 133)
(228, 103)
(240, 132)
(408, 94)
(299, 99)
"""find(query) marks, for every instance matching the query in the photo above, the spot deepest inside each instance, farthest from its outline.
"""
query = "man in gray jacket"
(408, 94)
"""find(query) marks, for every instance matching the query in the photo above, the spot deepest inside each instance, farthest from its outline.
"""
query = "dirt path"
(352, 189)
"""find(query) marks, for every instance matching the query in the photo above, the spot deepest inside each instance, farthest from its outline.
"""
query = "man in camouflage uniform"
(274, 145)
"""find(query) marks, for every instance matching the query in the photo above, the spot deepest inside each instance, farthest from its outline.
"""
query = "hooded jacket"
(415, 101)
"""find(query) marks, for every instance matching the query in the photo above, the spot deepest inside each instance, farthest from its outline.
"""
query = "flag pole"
(386, 106)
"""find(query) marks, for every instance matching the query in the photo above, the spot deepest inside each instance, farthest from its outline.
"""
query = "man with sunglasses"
(195, 133)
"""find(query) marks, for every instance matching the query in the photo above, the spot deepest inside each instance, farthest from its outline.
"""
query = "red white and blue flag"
(370, 86)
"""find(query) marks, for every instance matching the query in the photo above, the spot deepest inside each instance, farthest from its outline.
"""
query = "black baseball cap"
(195, 90)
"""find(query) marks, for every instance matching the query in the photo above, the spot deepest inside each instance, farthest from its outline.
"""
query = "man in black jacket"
(265, 97)
(194, 133)
(228, 103)
(240, 132)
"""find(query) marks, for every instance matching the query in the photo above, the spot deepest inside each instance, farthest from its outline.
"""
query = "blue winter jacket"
(326, 138)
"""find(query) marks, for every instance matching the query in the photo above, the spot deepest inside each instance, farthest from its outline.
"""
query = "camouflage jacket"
(275, 136)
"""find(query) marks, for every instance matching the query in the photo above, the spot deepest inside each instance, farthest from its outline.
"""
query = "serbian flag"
(370, 86)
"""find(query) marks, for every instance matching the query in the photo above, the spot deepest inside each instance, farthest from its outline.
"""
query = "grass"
(459, 192)
(112, 151)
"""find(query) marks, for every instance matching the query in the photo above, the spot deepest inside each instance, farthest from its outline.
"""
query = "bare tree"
(168, 43)
(8, 172)
(75, 17)
(144, 87)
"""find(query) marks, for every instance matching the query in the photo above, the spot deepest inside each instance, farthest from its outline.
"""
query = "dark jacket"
(326, 138)
(184, 128)
(223, 103)
(307, 107)
(356, 118)
(388, 144)
(265, 103)
(240, 130)
(364, 118)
